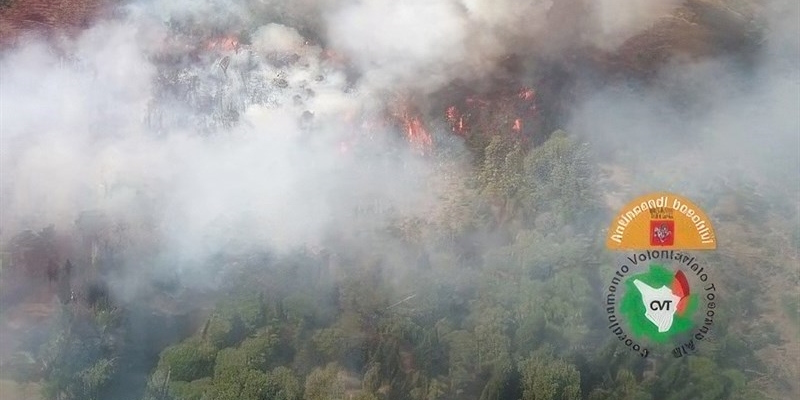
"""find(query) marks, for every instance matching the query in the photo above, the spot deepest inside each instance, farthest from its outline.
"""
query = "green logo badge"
(661, 299)
(658, 304)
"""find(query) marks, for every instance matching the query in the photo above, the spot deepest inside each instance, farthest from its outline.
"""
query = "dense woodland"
(495, 297)
(493, 293)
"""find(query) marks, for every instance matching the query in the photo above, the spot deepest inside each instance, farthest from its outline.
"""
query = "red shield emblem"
(662, 232)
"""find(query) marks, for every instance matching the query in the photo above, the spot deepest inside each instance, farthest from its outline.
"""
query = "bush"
(239, 384)
(220, 332)
(284, 385)
(249, 308)
(257, 351)
(194, 390)
(188, 361)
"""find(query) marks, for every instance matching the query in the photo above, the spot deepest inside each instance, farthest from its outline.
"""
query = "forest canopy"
(346, 200)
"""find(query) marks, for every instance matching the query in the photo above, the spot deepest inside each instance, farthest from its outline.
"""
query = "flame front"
(416, 134)
(526, 94)
(224, 44)
(519, 106)
(517, 127)
(408, 117)
(511, 112)
(456, 120)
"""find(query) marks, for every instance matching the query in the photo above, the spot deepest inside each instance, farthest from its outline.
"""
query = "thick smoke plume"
(86, 123)
(721, 120)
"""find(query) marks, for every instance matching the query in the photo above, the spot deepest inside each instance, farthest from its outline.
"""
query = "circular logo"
(661, 300)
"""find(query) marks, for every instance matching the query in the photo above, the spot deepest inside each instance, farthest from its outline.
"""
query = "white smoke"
(708, 122)
(426, 44)
(76, 130)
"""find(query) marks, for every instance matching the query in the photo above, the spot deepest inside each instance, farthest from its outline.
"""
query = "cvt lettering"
(656, 305)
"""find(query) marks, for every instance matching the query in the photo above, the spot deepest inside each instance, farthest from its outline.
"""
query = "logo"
(658, 304)
(661, 300)
(661, 221)
(663, 233)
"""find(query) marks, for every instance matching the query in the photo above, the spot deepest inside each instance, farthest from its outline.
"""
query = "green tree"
(461, 348)
(237, 316)
(372, 378)
(195, 390)
(493, 343)
(80, 359)
(701, 378)
(502, 382)
(501, 176)
(234, 378)
(240, 384)
(301, 307)
(459, 211)
(189, 360)
(546, 378)
(282, 384)
(220, 331)
(623, 387)
(258, 350)
(344, 338)
(436, 390)
(158, 387)
(560, 179)
(364, 396)
(324, 384)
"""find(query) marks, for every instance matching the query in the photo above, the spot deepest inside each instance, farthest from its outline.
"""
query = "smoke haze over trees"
(384, 199)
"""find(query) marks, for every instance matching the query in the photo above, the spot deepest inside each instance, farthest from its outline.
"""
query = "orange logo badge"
(661, 221)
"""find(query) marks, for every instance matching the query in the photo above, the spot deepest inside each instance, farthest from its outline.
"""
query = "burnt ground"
(47, 18)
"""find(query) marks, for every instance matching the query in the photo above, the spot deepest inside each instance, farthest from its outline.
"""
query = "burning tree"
(407, 116)
(504, 112)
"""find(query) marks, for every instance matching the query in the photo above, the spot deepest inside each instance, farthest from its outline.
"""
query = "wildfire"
(520, 104)
(517, 127)
(455, 119)
(225, 44)
(526, 94)
(416, 133)
(409, 118)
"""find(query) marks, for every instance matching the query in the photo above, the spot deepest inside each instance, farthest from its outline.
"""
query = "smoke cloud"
(88, 125)
(706, 122)
(422, 44)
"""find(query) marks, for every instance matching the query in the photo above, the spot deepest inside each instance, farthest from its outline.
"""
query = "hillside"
(48, 18)
(317, 200)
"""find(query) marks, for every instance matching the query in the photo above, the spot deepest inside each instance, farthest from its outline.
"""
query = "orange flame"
(517, 125)
(527, 94)
(417, 135)
(455, 119)
(403, 112)
(452, 114)
(224, 43)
